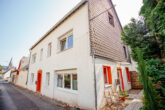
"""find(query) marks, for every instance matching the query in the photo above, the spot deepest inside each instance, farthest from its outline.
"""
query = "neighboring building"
(22, 72)
(81, 57)
(7, 71)
(13, 76)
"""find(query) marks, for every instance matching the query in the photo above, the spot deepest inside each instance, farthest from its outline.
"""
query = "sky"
(24, 22)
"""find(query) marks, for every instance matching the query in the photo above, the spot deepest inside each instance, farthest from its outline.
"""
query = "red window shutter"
(128, 76)
(109, 75)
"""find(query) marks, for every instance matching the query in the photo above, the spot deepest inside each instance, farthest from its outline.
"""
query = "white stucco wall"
(22, 78)
(77, 57)
(99, 63)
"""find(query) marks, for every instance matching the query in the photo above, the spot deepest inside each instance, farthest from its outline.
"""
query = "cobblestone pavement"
(13, 98)
(136, 103)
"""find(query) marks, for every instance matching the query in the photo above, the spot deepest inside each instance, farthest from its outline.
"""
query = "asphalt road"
(13, 98)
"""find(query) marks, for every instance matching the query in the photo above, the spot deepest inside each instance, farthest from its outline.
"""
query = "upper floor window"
(49, 49)
(41, 54)
(125, 51)
(34, 58)
(111, 19)
(66, 43)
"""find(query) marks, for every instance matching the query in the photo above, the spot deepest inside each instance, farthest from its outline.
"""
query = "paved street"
(13, 98)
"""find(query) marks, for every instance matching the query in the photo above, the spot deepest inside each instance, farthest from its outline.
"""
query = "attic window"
(111, 20)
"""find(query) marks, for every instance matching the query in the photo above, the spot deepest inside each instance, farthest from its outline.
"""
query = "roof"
(62, 20)
(25, 67)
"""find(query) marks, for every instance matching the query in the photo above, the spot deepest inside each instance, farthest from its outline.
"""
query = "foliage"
(123, 93)
(149, 93)
(153, 12)
(136, 34)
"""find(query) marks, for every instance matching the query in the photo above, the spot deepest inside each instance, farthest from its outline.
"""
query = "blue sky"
(23, 22)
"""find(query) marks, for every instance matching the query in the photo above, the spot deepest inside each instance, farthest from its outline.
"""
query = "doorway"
(120, 77)
(39, 78)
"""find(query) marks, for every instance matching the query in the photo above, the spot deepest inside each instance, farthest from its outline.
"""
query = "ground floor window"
(67, 81)
(32, 78)
(59, 80)
(107, 74)
(47, 78)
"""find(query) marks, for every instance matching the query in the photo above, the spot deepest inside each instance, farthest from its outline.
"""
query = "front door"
(120, 77)
(39, 78)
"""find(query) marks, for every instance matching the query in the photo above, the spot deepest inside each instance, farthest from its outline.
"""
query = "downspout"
(28, 69)
(93, 57)
(95, 82)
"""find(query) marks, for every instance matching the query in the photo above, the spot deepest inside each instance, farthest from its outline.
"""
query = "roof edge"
(81, 3)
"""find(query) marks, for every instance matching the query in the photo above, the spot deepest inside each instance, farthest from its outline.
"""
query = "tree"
(149, 93)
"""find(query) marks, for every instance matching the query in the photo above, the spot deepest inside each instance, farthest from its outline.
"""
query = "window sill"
(108, 85)
(68, 90)
(64, 50)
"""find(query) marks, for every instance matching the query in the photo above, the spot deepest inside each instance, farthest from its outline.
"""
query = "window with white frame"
(66, 42)
(34, 58)
(41, 54)
(47, 79)
(60, 80)
(49, 49)
(32, 78)
(67, 81)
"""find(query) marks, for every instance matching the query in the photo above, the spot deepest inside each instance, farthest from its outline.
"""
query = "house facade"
(22, 72)
(81, 57)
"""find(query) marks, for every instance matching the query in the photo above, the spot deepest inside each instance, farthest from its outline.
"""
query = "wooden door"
(39, 78)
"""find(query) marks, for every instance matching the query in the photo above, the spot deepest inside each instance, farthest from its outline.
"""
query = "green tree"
(149, 93)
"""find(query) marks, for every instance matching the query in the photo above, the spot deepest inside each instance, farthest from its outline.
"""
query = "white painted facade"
(73, 60)
(21, 78)
(77, 57)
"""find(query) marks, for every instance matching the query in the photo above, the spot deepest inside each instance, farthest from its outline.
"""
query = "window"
(63, 44)
(125, 51)
(67, 81)
(111, 20)
(49, 49)
(66, 43)
(70, 41)
(32, 78)
(47, 78)
(41, 54)
(74, 81)
(128, 75)
(34, 58)
(107, 74)
(59, 80)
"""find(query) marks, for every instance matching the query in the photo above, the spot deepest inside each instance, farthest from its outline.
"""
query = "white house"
(21, 77)
(81, 57)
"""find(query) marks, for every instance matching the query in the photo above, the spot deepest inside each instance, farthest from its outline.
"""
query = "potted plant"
(123, 95)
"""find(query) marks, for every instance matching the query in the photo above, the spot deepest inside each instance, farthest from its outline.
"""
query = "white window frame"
(65, 36)
(71, 83)
(34, 57)
(49, 51)
(47, 79)
(41, 54)
(32, 78)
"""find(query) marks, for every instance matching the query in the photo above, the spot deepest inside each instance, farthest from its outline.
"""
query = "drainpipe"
(95, 83)
(28, 69)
